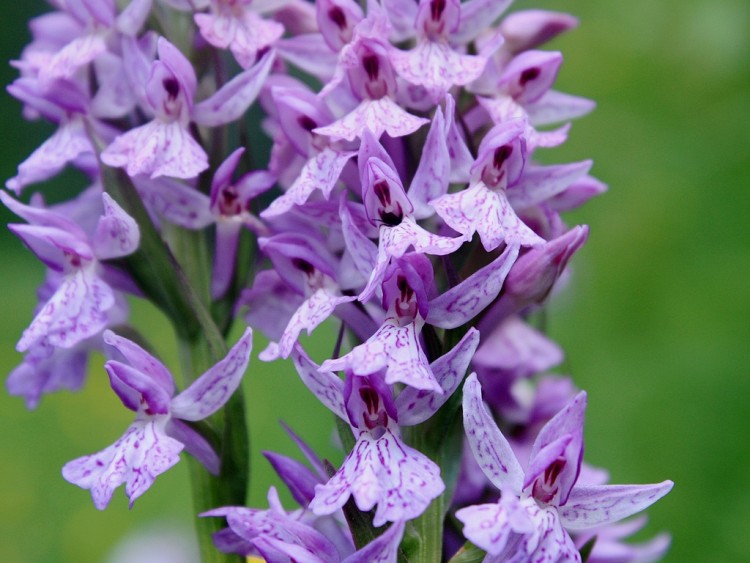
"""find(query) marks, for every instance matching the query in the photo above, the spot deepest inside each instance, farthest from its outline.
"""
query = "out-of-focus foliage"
(655, 326)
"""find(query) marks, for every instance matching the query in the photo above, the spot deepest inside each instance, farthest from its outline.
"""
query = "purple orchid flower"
(152, 443)
(539, 503)
(82, 301)
(366, 63)
(434, 63)
(230, 206)
(389, 208)
(381, 470)
(308, 267)
(279, 537)
(484, 207)
(237, 26)
(299, 112)
(164, 146)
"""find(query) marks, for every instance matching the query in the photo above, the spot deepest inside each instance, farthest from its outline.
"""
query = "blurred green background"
(656, 323)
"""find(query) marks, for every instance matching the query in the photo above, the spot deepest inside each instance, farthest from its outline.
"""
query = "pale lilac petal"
(578, 193)
(362, 250)
(136, 390)
(527, 29)
(530, 74)
(402, 16)
(117, 233)
(53, 246)
(309, 52)
(378, 116)
(180, 67)
(460, 156)
(114, 98)
(141, 360)
(437, 67)
(65, 145)
(234, 98)
(297, 477)
(415, 405)
(486, 526)
(383, 549)
(555, 107)
(487, 212)
(195, 444)
(210, 391)
(328, 388)
(540, 183)
(316, 308)
(320, 172)
(466, 300)
(176, 202)
(253, 34)
(517, 348)
(543, 460)
(590, 506)
(476, 17)
(397, 349)
(65, 62)
(77, 310)
(270, 303)
(491, 449)
(384, 472)
(44, 371)
(157, 149)
(136, 459)
(131, 19)
(433, 173)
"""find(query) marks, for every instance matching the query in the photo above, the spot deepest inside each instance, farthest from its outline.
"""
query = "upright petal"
(328, 388)
(491, 449)
(210, 391)
(117, 233)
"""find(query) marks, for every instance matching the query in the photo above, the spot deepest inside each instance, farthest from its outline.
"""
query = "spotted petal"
(378, 116)
(210, 391)
(136, 459)
(384, 472)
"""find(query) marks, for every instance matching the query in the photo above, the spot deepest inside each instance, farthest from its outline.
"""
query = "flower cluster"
(401, 196)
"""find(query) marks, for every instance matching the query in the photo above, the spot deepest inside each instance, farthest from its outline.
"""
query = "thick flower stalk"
(402, 200)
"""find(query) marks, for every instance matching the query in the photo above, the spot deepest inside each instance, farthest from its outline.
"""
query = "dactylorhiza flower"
(540, 504)
(381, 470)
(153, 442)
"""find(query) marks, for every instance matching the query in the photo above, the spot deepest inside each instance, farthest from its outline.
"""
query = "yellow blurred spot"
(255, 559)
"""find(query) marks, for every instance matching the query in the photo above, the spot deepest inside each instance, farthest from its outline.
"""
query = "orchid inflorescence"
(400, 196)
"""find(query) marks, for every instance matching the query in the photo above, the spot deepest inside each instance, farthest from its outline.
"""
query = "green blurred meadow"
(655, 324)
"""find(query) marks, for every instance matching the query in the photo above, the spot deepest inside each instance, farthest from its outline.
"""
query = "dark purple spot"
(306, 122)
(403, 286)
(437, 7)
(337, 16)
(501, 155)
(371, 64)
(528, 75)
(303, 265)
(172, 87)
(383, 192)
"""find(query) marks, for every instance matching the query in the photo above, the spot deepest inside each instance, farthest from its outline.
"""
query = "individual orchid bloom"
(366, 65)
(395, 347)
(153, 442)
(81, 304)
(56, 59)
(380, 470)
(434, 63)
(389, 208)
(230, 205)
(483, 207)
(67, 105)
(299, 113)
(533, 276)
(277, 535)
(164, 146)
(238, 26)
(308, 267)
(538, 504)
